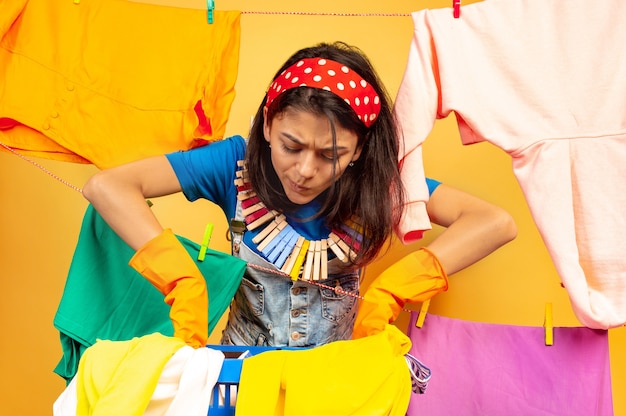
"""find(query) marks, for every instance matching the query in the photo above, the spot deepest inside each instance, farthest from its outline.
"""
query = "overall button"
(295, 335)
(46, 126)
(295, 313)
(54, 114)
(296, 291)
(70, 87)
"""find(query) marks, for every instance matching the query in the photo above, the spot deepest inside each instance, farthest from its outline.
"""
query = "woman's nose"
(307, 165)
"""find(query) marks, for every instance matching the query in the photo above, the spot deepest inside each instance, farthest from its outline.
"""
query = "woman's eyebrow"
(295, 140)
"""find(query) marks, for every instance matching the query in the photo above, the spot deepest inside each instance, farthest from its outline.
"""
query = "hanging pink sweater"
(544, 81)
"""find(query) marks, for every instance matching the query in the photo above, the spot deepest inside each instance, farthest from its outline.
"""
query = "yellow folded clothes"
(367, 376)
(119, 377)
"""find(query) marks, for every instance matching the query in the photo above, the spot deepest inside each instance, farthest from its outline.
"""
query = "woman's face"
(302, 153)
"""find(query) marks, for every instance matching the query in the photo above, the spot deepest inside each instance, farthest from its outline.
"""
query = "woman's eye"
(289, 149)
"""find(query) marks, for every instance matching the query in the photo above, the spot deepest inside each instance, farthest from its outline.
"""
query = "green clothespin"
(205, 241)
(210, 8)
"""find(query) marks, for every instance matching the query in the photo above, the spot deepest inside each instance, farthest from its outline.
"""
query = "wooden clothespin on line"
(548, 325)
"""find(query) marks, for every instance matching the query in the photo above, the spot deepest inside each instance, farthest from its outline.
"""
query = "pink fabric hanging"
(493, 370)
(544, 81)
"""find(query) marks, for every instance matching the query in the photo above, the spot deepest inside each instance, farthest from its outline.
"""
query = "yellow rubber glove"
(165, 263)
(414, 278)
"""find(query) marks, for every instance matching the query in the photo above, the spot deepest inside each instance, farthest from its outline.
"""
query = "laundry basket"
(225, 390)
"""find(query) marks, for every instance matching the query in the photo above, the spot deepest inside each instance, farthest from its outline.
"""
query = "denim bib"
(270, 309)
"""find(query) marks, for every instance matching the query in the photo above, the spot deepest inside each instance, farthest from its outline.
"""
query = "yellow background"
(41, 216)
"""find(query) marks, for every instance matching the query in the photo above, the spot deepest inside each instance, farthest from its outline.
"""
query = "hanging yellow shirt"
(111, 81)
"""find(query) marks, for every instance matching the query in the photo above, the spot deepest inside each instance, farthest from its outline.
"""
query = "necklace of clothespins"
(283, 246)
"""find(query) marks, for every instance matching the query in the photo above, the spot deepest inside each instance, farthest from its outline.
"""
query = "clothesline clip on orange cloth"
(208, 231)
(456, 8)
(210, 8)
(422, 315)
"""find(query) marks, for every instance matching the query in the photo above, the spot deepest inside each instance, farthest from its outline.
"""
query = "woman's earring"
(351, 164)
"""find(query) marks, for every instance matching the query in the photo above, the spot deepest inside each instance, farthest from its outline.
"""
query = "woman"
(310, 195)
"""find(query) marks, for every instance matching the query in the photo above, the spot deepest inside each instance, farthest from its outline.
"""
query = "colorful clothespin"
(548, 325)
(210, 8)
(295, 271)
(422, 316)
(205, 241)
(456, 8)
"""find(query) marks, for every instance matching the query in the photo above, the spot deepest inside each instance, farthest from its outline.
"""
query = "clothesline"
(329, 14)
(64, 182)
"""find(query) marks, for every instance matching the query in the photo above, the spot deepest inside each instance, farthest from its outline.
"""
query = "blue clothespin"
(205, 241)
(210, 8)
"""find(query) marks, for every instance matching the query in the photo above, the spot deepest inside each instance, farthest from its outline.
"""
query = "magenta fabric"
(505, 370)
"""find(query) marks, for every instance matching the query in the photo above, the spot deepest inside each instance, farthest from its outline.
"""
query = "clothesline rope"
(329, 14)
(64, 182)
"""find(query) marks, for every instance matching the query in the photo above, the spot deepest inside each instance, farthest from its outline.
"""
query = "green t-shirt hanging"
(105, 298)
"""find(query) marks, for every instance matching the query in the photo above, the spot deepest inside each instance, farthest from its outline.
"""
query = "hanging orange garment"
(111, 81)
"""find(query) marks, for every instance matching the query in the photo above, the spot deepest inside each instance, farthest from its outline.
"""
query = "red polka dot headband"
(331, 76)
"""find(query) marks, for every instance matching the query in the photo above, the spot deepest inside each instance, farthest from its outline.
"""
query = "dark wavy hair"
(371, 189)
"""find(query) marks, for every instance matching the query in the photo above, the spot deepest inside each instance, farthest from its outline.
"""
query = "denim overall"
(270, 309)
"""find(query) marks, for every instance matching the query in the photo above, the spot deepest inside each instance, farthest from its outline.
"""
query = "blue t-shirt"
(209, 172)
(432, 185)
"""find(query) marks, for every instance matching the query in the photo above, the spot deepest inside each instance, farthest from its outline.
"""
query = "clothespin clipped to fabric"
(548, 325)
(422, 315)
(456, 8)
(210, 8)
(205, 241)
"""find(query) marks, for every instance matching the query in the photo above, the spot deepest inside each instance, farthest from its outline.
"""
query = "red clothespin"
(456, 8)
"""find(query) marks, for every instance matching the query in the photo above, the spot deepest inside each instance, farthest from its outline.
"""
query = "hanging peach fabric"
(546, 84)
(111, 81)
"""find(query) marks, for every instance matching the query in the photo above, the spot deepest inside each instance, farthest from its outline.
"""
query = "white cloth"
(186, 383)
(185, 386)
(65, 404)
(545, 81)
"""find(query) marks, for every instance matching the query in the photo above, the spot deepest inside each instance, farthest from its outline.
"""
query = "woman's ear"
(266, 127)
(357, 153)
